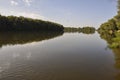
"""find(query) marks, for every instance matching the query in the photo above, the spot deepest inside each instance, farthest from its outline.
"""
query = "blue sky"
(70, 13)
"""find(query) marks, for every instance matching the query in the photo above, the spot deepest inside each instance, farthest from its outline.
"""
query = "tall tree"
(119, 6)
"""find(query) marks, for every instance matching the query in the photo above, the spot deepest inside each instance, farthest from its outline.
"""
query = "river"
(63, 56)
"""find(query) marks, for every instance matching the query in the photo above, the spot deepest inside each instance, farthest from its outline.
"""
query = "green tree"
(12, 23)
(118, 6)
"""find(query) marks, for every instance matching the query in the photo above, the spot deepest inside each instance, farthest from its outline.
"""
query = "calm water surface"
(68, 56)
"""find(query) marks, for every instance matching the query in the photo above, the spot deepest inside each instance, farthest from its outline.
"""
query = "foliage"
(85, 30)
(12, 23)
(112, 24)
(88, 30)
(72, 29)
(118, 6)
(108, 27)
(110, 31)
(112, 27)
(116, 41)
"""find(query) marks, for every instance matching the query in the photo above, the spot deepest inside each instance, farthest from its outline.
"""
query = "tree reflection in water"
(116, 50)
(12, 38)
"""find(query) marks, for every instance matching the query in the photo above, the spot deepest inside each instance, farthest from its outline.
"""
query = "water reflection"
(116, 51)
(68, 57)
(80, 31)
(11, 53)
(12, 38)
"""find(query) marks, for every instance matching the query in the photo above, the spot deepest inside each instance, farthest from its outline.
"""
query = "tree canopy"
(119, 6)
(110, 30)
(85, 30)
(12, 23)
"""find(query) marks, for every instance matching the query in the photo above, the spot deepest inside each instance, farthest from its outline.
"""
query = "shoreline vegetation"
(24, 37)
(110, 30)
(13, 23)
(22, 30)
(85, 30)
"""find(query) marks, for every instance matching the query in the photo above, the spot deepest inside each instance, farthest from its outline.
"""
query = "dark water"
(56, 56)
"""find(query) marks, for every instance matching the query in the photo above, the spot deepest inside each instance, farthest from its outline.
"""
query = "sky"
(70, 13)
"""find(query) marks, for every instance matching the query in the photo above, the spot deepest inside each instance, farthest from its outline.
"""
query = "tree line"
(112, 25)
(13, 23)
(110, 30)
(85, 30)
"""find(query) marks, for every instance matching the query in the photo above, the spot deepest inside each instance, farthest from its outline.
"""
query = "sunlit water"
(71, 56)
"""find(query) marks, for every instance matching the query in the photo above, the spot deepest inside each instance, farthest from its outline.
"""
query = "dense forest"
(85, 30)
(112, 25)
(12, 23)
(110, 30)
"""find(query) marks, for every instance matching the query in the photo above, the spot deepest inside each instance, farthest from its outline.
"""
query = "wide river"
(68, 56)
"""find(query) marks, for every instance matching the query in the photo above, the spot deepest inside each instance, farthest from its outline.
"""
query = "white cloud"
(25, 14)
(28, 2)
(31, 15)
(28, 15)
(13, 3)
